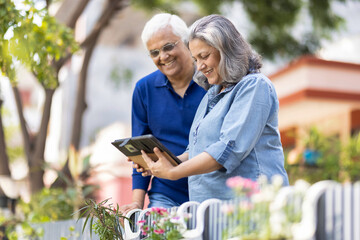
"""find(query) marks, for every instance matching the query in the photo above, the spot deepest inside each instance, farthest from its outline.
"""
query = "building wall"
(315, 92)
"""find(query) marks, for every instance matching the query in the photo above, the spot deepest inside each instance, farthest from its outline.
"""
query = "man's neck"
(181, 83)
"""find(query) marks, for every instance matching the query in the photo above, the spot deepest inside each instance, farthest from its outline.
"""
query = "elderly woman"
(235, 129)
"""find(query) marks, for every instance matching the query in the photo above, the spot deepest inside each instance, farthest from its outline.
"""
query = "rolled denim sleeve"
(243, 124)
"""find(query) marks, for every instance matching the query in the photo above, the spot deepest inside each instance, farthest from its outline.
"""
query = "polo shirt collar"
(162, 81)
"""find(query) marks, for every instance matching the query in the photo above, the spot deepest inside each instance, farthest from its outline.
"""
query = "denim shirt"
(239, 129)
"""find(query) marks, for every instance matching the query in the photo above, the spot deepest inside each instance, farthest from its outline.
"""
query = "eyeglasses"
(166, 48)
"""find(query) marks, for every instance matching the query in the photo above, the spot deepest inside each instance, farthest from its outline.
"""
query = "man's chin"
(169, 72)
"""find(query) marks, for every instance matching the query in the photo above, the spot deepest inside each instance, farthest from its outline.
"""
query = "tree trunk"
(90, 43)
(28, 141)
(4, 159)
(37, 161)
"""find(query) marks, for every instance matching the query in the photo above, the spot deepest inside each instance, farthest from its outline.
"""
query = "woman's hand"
(162, 168)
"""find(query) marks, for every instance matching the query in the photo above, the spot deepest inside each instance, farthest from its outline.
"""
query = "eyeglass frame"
(173, 45)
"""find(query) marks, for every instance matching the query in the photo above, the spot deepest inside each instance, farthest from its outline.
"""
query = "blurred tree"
(44, 48)
(36, 40)
(274, 22)
(88, 45)
(4, 159)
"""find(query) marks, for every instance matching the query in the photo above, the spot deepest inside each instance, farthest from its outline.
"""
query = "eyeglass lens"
(166, 48)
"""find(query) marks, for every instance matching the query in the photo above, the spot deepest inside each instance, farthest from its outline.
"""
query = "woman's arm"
(162, 168)
(183, 157)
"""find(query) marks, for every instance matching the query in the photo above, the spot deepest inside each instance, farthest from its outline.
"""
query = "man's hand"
(123, 210)
(127, 208)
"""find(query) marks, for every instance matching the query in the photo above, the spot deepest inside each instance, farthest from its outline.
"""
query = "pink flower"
(175, 219)
(243, 185)
(227, 208)
(144, 230)
(246, 205)
(159, 231)
(141, 222)
(159, 210)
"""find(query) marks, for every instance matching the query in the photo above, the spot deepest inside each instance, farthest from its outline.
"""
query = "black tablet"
(131, 147)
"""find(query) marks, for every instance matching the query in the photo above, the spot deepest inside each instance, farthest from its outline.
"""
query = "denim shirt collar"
(214, 96)
(215, 90)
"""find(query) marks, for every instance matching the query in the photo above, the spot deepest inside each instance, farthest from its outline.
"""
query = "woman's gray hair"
(163, 20)
(237, 58)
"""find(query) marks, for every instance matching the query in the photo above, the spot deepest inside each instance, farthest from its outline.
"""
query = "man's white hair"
(163, 20)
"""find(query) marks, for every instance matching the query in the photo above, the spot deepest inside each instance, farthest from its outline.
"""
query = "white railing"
(68, 229)
(329, 211)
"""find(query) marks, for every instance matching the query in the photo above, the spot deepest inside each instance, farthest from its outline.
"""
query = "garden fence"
(329, 211)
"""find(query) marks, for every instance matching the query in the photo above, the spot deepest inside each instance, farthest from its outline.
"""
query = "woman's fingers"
(159, 168)
(147, 159)
(158, 153)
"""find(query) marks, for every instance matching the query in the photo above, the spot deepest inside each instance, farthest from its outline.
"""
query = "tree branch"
(24, 127)
(79, 10)
(111, 8)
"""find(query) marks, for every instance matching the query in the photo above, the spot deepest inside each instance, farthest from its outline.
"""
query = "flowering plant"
(256, 214)
(161, 224)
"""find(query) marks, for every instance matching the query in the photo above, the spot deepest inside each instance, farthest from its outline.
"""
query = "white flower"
(301, 186)
(262, 180)
(277, 181)
(277, 221)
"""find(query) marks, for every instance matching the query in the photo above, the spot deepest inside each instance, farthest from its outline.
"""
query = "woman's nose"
(200, 66)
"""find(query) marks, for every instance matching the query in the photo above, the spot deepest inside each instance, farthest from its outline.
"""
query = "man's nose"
(163, 54)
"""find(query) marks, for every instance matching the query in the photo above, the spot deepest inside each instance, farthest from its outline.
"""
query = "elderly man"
(164, 105)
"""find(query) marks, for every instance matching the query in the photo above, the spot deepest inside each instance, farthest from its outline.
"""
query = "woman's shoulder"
(256, 82)
(258, 79)
(255, 78)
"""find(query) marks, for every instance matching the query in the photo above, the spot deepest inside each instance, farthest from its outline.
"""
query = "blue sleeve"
(243, 124)
(139, 126)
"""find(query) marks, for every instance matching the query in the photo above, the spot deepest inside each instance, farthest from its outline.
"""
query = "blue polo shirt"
(158, 110)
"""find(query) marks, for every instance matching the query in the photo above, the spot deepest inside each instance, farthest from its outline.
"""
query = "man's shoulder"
(150, 78)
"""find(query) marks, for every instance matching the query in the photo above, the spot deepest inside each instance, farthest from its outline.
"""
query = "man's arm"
(138, 196)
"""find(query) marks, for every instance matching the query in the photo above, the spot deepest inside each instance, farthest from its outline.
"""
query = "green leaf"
(86, 220)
